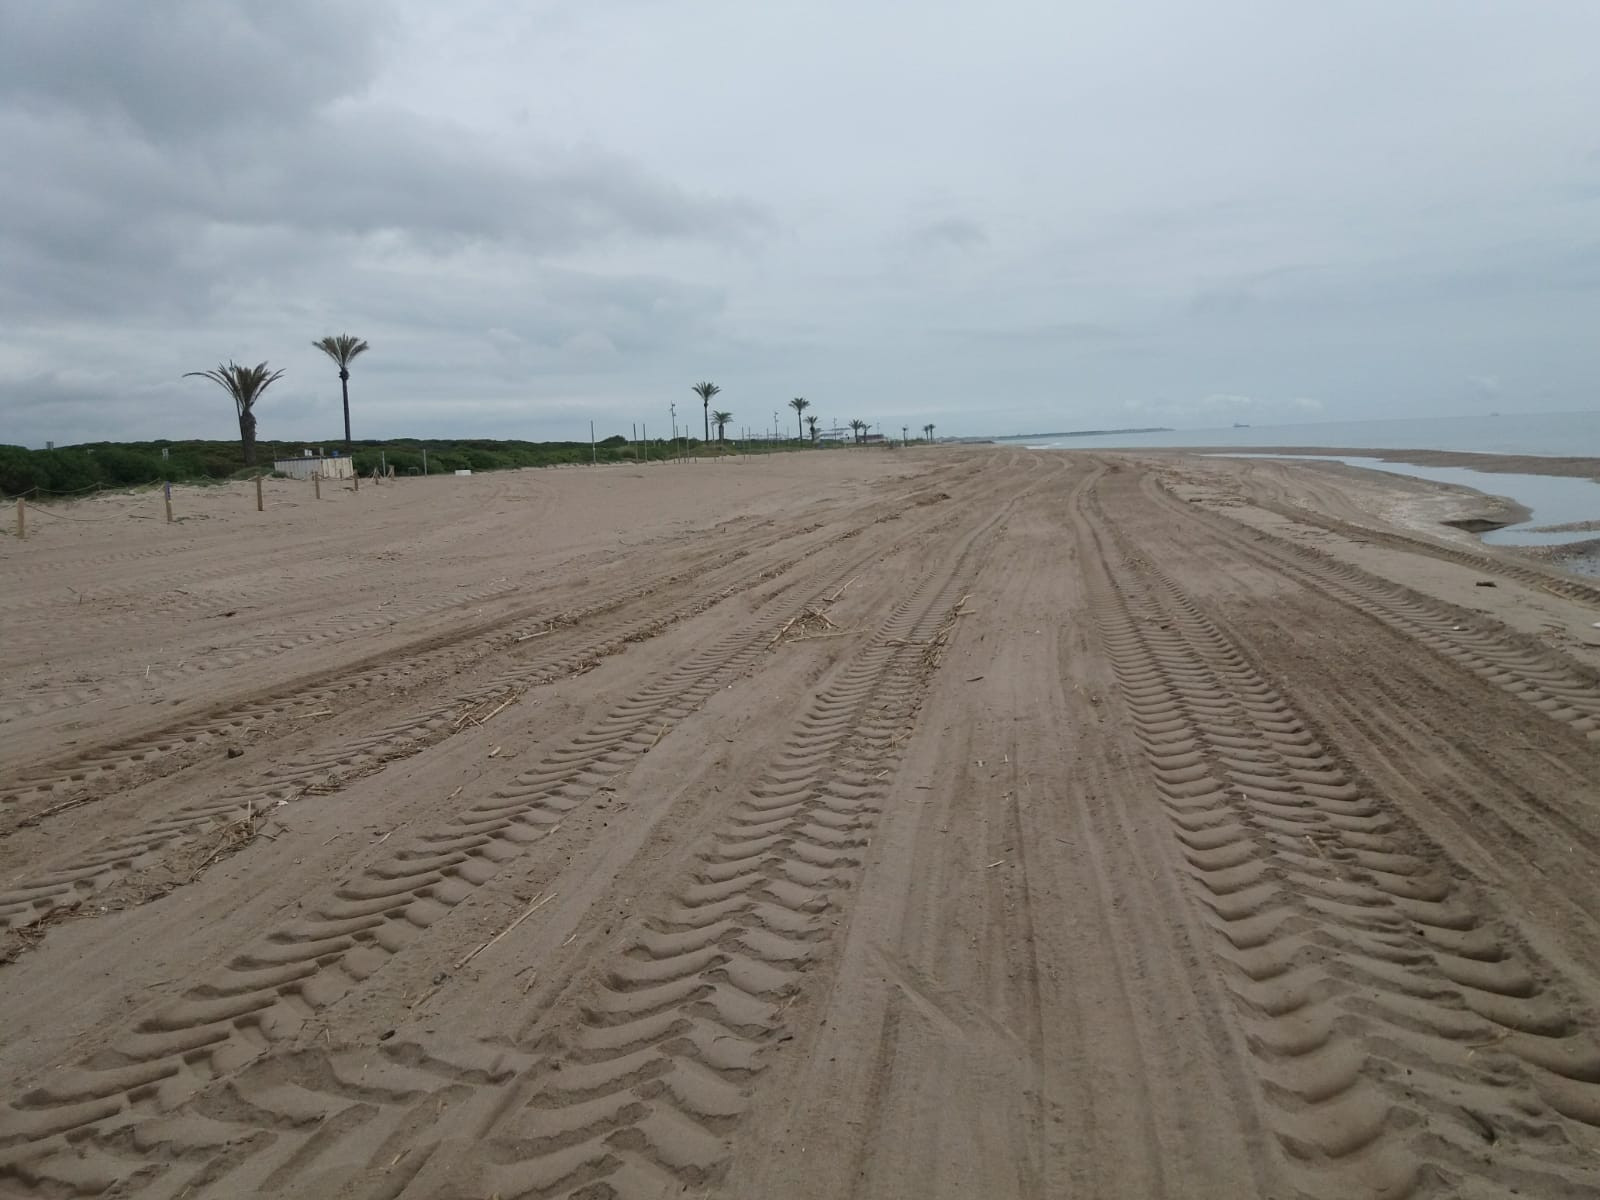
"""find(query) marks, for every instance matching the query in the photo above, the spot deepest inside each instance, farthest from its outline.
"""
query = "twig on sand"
(535, 907)
(423, 999)
(57, 808)
(810, 623)
(834, 599)
(478, 717)
(236, 835)
(934, 648)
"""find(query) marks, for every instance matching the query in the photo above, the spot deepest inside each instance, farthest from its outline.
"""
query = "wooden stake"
(356, 475)
(260, 504)
(22, 521)
(316, 485)
(168, 490)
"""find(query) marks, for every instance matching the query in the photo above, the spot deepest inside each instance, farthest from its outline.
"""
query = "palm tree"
(705, 391)
(860, 428)
(245, 385)
(811, 424)
(799, 404)
(928, 429)
(342, 349)
(721, 419)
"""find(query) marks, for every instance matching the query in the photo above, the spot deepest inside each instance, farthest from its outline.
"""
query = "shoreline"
(1570, 466)
(1454, 512)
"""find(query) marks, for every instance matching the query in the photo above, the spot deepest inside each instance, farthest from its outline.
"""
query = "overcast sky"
(1002, 217)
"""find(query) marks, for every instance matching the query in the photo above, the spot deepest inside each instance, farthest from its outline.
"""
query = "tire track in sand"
(637, 1095)
(72, 881)
(266, 992)
(1505, 567)
(428, 656)
(1549, 682)
(1397, 1025)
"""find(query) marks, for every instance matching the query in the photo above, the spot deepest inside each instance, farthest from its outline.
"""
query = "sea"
(1553, 500)
(1553, 434)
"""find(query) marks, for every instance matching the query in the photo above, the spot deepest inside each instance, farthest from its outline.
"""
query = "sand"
(955, 822)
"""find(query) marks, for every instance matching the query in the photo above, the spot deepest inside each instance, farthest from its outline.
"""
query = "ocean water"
(1557, 434)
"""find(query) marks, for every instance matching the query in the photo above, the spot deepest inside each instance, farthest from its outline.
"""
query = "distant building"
(328, 466)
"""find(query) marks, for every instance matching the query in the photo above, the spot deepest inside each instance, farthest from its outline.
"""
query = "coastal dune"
(947, 822)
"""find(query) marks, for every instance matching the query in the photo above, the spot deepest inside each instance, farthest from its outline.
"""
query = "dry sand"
(944, 823)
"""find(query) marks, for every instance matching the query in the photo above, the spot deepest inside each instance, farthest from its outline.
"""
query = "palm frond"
(342, 348)
(244, 384)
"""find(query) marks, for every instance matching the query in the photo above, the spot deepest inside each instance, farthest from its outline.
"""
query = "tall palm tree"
(245, 385)
(859, 426)
(928, 429)
(342, 349)
(705, 391)
(799, 404)
(811, 424)
(721, 419)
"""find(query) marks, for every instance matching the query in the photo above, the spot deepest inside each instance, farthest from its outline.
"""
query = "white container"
(463, 472)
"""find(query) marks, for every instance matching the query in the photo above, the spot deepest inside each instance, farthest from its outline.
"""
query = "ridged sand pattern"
(1536, 676)
(669, 1039)
(388, 670)
(81, 876)
(267, 992)
(1392, 1017)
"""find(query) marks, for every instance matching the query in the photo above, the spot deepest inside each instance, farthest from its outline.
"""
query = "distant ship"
(1240, 425)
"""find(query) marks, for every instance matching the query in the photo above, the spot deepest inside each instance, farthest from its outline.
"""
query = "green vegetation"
(245, 385)
(342, 349)
(82, 469)
(705, 390)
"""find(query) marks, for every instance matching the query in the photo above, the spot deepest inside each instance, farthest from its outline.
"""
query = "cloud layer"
(1031, 216)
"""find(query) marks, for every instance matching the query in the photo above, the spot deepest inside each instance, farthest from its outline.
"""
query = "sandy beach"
(948, 822)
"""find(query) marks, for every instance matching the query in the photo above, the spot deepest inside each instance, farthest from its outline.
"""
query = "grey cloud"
(535, 213)
(1085, 334)
(960, 232)
(1234, 295)
(182, 68)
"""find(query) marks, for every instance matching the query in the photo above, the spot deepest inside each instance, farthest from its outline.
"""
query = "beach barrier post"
(167, 499)
(260, 504)
(316, 486)
(22, 521)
